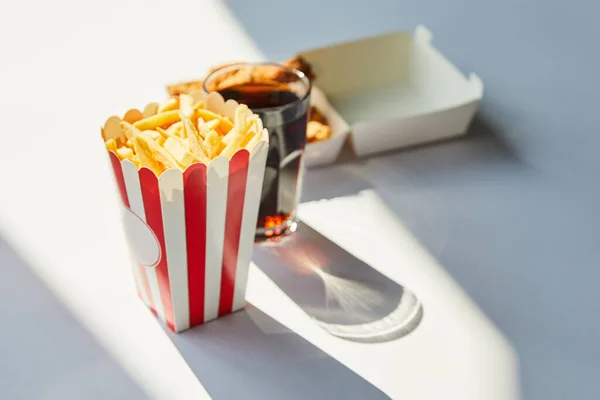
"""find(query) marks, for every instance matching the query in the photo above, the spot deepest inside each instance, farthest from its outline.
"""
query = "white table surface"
(60, 77)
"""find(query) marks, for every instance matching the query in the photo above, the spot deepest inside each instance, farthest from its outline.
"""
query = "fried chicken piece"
(300, 64)
(176, 89)
(315, 115)
(187, 87)
(316, 131)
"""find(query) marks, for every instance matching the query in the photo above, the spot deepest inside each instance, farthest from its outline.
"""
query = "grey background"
(44, 351)
(511, 210)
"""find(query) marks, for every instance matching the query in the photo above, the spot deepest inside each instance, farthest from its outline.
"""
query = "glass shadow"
(344, 296)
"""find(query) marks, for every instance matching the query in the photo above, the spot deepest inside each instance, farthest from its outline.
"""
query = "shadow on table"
(45, 352)
(343, 295)
(482, 151)
(249, 355)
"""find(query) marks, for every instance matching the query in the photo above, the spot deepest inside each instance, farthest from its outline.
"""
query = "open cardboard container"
(388, 92)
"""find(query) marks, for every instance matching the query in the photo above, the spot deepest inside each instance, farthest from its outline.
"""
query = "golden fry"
(199, 105)
(225, 123)
(235, 142)
(172, 104)
(111, 145)
(124, 153)
(144, 153)
(230, 136)
(129, 130)
(152, 134)
(175, 129)
(242, 114)
(250, 145)
(204, 128)
(161, 155)
(135, 160)
(214, 124)
(213, 144)
(193, 138)
(247, 138)
(163, 133)
(162, 120)
(179, 152)
(186, 106)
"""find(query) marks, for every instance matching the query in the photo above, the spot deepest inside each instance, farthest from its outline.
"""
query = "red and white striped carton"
(192, 232)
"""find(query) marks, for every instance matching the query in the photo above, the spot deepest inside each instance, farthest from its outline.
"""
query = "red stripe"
(116, 164)
(151, 196)
(236, 190)
(195, 223)
(118, 170)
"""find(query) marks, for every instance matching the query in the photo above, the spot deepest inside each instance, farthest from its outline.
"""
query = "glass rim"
(239, 65)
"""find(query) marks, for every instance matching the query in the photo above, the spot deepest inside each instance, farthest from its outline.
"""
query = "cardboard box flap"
(348, 67)
(395, 90)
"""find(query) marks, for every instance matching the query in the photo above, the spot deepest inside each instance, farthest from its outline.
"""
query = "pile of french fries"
(181, 132)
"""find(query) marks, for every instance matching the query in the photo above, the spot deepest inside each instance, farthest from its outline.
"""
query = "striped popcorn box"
(192, 231)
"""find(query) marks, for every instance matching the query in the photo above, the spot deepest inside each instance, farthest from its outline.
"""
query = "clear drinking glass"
(280, 96)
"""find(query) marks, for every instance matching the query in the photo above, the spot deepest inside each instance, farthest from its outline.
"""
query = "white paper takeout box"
(191, 232)
(390, 91)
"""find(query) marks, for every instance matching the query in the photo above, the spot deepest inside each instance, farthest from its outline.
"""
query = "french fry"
(177, 149)
(135, 160)
(129, 130)
(250, 145)
(230, 136)
(111, 145)
(163, 133)
(225, 123)
(144, 153)
(193, 137)
(249, 135)
(156, 152)
(232, 147)
(152, 134)
(235, 137)
(204, 128)
(175, 129)
(190, 129)
(186, 144)
(251, 123)
(213, 144)
(242, 113)
(161, 155)
(170, 105)
(125, 153)
(213, 124)
(186, 106)
(162, 120)
(129, 144)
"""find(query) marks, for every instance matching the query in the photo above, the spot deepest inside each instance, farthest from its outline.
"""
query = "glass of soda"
(280, 96)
